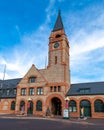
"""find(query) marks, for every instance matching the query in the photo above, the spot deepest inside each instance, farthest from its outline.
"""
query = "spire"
(58, 25)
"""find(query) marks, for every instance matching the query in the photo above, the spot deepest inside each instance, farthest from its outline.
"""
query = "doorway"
(56, 108)
(30, 107)
(86, 105)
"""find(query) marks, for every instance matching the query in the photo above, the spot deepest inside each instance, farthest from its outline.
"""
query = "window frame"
(55, 89)
(32, 79)
(23, 92)
(14, 91)
(7, 92)
(51, 89)
(84, 90)
(31, 91)
(55, 59)
(13, 103)
(59, 88)
(40, 91)
(98, 106)
(72, 106)
(39, 105)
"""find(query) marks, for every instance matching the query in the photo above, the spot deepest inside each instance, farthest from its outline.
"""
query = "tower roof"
(59, 24)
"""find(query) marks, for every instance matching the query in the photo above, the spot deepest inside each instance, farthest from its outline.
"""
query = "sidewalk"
(91, 121)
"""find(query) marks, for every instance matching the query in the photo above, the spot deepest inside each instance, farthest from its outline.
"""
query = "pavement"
(89, 121)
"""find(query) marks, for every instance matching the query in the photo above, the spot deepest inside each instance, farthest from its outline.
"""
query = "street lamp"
(67, 103)
(29, 99)
(28, 105)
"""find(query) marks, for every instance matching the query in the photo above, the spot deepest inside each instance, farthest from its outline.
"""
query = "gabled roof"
(94, 88)
(59, 24)
(34, 72)
(8, 84)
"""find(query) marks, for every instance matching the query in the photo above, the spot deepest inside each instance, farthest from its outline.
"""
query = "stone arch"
(35, 102)
(85, 107)
(98, 105)
(30, 106)
(97, 98)
(72, 105)
(5, 105)
(56, 104)
(39, 105)
(52, 96)
(20, 105)
(12, 105)
(85, 98)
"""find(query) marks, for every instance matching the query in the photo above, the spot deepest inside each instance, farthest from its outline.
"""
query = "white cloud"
(84, 42)
(32, 49)
(86, 49)
(87, 52)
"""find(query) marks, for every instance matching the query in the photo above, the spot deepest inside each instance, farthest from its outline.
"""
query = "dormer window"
(32, 79)
(84, 90)
(14, 91)
(0, 91)
(7, 92)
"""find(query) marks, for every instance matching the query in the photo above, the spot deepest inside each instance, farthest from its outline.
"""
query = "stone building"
(46, 89)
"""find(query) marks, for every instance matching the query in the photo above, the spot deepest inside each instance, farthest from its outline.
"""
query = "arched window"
(72, 106)
(13, 105)
(39, 106)
(32, 79)
(57, 36)
(22, 103)
(99, 106)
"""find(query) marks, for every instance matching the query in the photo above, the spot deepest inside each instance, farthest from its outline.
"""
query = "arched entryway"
(22, 103)
(30, 107)
(22, 107)
(56, 106)
(86, 106)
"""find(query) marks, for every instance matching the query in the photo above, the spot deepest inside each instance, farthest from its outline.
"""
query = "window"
(23, 91)
(39, 106)
(51, 89)
(13, 105)
(31, 91)
(72, 106)
(54, 88)
(22, 104)
(84, 90)
(7, 92)
(99, 106)
(55, 59)
(39, 91)
(32, 79)
(59, 88)
(58, 35)
(0, 91)
(14, 91)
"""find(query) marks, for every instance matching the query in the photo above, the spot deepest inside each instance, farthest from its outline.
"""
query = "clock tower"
(58, 59)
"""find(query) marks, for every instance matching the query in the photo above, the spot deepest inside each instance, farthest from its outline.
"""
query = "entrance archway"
(56, 106)
(86, 105)
(30, 107)
(22, 104)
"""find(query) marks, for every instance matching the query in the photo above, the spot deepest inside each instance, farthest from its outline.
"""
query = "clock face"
(56, 45)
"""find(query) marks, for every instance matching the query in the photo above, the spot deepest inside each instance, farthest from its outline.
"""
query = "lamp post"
(29, 99)
(28, 105)
(66, 110)
(67, 103)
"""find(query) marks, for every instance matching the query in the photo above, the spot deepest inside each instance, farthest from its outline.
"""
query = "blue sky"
(25, 27)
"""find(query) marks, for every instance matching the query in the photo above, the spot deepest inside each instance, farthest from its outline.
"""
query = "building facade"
(43, 91)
